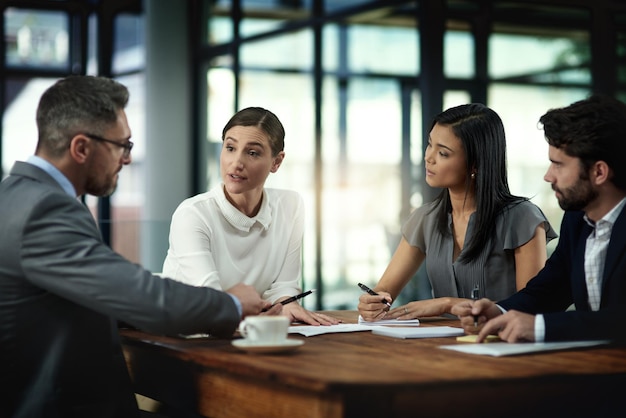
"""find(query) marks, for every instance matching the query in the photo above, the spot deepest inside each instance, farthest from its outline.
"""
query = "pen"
(295, 298)
(475, 297)
(371, 292)
(291, 299)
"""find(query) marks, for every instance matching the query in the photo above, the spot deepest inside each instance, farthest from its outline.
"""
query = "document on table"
(309, 330)
(390, 322)
(509, 349)
(418, 332)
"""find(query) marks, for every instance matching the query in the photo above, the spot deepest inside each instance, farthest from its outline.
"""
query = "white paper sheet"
(418, 332)
(509, 349)
(390, 322)
(309, 330)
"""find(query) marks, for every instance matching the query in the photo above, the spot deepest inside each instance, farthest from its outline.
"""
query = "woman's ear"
(278, 160)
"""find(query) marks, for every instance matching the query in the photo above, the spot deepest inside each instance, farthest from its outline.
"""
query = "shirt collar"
(609, 219)
(54, 172)
(240, 220)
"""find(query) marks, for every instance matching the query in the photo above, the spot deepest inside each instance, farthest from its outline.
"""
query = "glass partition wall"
(45, 41)
(361, 66)
(356, 84)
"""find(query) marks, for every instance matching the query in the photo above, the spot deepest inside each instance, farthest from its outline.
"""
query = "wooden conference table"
(360, 374)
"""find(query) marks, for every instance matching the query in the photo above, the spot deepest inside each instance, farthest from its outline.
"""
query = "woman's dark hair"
(481, 133)
(262, 119)
(592, 130)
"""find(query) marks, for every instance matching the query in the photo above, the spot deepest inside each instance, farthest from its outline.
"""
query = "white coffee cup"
(265, 329)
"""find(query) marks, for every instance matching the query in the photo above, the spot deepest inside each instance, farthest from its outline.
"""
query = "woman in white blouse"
(241, 232)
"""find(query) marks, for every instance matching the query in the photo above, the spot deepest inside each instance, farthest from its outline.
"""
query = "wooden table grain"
(360, 374)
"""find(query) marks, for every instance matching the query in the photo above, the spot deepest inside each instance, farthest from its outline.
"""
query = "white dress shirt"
(213, 244)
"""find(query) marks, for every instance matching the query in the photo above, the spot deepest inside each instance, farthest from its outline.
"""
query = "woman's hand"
(295, 312)
(422, 308)
(373, 308)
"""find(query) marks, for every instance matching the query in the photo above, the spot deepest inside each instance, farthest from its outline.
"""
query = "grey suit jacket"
(62, 290)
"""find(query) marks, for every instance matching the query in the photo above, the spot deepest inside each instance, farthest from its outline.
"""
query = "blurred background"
(356, 84)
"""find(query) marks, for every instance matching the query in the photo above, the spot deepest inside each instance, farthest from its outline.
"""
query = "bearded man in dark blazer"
(587, 151)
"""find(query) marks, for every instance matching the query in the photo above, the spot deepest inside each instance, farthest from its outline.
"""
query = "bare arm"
(403, 265)
(530, 258)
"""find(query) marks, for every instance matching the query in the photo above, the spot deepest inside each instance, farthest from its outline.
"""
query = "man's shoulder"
(30, 177)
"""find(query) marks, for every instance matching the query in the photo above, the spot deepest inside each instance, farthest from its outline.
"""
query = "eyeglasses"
(128, 146)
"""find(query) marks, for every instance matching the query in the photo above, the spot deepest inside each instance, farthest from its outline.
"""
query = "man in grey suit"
(62, 289)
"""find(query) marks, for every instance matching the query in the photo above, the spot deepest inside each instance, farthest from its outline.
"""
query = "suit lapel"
(579, 284)
(616, 249)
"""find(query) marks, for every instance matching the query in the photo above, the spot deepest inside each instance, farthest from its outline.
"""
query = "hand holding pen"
(475, 297)
(371, 292)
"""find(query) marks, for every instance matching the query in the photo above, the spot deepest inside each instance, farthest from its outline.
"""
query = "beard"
(578, 196)
(101, 187)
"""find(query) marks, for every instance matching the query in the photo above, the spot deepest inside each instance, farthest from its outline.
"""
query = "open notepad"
(418, 332)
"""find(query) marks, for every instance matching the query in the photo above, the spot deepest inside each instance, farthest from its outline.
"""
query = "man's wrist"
(540, 328)
(237, 304)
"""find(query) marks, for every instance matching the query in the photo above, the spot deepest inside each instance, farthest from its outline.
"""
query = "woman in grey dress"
(475, 234)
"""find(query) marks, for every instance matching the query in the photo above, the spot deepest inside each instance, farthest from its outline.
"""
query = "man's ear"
(80, 148)
(278, 160)
(600, 172)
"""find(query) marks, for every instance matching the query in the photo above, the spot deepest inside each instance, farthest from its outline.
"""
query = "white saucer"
(262, 347)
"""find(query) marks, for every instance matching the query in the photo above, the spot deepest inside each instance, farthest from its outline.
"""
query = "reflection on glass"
(36, 38)
(292, 50)
(128, 51)
(361, 201)
(459, 54)
(546, 59)
(19, 132)
(520, 108)
(385, 50)
(220, 30)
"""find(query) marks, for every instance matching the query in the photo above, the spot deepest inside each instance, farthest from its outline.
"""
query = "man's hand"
(251, 302)
(474, 314)
(512, 327)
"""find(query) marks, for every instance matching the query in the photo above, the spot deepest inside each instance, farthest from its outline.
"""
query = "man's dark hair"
(592, 130)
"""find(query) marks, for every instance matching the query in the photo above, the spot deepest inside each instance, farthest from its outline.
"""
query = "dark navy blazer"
(562, 282)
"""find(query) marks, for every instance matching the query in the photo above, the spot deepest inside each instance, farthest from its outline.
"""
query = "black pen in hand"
(291, 299)
(371, 292)
(475, 291)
